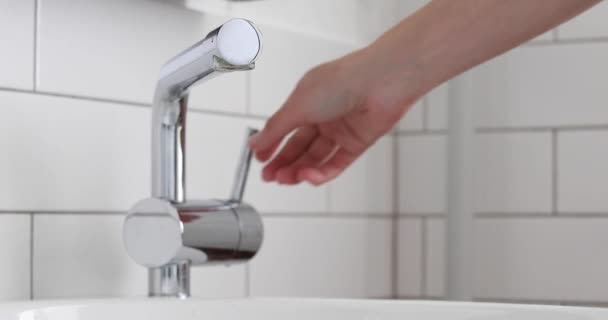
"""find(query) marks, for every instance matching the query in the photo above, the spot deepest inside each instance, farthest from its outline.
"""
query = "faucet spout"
(234, 46)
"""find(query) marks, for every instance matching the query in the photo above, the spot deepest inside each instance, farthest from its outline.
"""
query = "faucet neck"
(169, 149)
(233, 46)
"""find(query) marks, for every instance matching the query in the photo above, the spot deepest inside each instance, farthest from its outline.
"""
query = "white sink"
(283, 309)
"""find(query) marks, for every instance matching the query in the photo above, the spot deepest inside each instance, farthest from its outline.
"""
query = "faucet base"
(172, 280)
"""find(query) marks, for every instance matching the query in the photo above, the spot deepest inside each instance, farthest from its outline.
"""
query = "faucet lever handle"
(242, 170)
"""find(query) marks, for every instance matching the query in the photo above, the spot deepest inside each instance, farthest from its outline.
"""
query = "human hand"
(337, 111)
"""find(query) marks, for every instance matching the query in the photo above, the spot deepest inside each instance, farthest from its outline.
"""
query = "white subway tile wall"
(410, 278)
(111, 55)
(15, 242)
(406, 8)
(541, 259)
(545, 37)
(428, 113)
(219, 281)
(75, 104)
(549, 85)
(367, 186)
(434, 240)
(324, 257)
(528, 258)
(68, 154)
(513, 172)
(541, 116)
(589, 25)
(583, 172)
(351, 21)
(338, 20)
(414, 118)
(438, 108)
(287, 57)
(17, 33)
(82, 256)
(422, 174)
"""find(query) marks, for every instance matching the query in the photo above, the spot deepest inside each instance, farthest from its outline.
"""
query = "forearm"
(447, 37)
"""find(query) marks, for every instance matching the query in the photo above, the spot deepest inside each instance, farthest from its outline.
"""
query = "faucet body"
(168, 233)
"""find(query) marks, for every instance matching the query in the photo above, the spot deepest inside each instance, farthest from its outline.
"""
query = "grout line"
(582, 215)
(427, 132)
(345, 215)
(372, 297)
(369, 215)
(36, 67)
(425, 113)
(353, 215)
(31, 256)
(502, 215)
(395, 220)
(543, 302)
(406, 297)
(543, 128)
(79, 97)
(417, 215)
(130, 103)
(64, 212)
(554, 171)
(247, 280)
(535, 42)
(594, 304)
(513, 130)
(518, 301)
(526, 129)
(559, 42)
(423, 258)
(573, 215)
(514, 215)
(514, 301)
(327, 199)
(394, 263)
(263, 117)
(14, 212)
(601, 304)
(388, 297)
(228, 114)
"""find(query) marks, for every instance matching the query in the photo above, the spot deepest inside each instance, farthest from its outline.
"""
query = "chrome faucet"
(168, 233)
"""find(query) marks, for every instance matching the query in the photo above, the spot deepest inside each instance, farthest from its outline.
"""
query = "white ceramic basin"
(284, 309)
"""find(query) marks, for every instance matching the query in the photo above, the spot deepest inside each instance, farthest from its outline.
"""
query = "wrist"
(391, 77)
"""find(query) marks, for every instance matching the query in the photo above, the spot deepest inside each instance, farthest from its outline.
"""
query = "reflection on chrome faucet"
(168, 233)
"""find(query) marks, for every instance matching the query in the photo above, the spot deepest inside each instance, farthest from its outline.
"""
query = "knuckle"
(311, 77)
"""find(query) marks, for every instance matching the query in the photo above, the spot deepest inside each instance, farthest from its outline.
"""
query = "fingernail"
(254, 139)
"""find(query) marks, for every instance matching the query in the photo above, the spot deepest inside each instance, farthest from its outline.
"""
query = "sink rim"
(30, 305)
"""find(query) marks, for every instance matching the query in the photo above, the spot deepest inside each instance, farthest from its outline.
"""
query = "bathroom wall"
(541, 168)
(76, 82)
